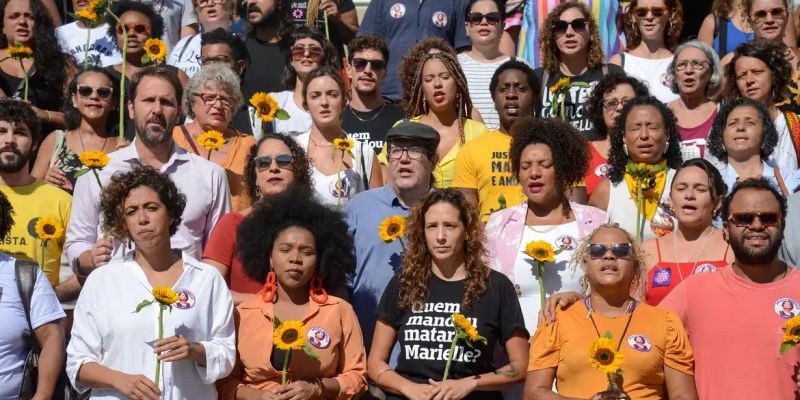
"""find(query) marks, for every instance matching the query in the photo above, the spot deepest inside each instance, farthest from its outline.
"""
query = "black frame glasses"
(597, 251)
(263, 163)
(360, 64)
(86, 91)
(578, 25)
(697, 65)
(413, 152)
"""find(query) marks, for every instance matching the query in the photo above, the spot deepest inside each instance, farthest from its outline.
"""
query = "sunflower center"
(796, 331)
(289, 336)
(49, 229)
(605, 357)
(264, 108)
(541, 253)
(154, 49)
(393, 229)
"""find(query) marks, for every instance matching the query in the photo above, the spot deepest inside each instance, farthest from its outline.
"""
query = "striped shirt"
(478, 77)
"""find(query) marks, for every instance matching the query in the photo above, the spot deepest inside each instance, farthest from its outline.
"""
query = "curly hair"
(19, 112)
(714, 82)
(533, 82)
(120, 7)
(330, 57)
(609, 82)
(301, 169)
(639, 283)
(48, 59)
(759, 183)
(551, 56)
(570, 153)
(220, 75)
(417, 261)
(367, 42)
(72, 117)
(618, 156)
(6, 216)
(407, 70)
(112, 200)
(770, 53)
(256, 235)
(716, 138)
(716, 185)
(672, 34)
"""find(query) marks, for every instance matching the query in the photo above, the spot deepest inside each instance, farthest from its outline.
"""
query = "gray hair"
(715, 83)
(220, 74)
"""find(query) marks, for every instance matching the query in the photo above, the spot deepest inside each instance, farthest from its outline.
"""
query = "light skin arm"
(42, 163)
(223, 269)
(378, 366)
(539, 385)
(376, 175)
(706, 33)
(599, 196)
(471, 195)
(52, 11)
(507, 45)
(616, 59)
(476, 115)
(68, 290)
(188, 30)
(680, 386)
(51, 360)
(137, 387)
(346, 23)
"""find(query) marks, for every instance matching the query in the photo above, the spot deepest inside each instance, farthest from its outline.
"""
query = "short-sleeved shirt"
(484, 165)
(102, 51)
(655, 339)
(371, 126)
(298, 12)
(186, 55)
(176, 15)
(736, 330)
(264, 67)
(402, 23)
(13, 348)
(479, 75)
(425, 333)
(221, 248)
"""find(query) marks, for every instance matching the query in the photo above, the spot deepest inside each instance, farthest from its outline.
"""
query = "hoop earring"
(625, 148)
(424, 105)
(666, 147)
(270, 288)
(316, 291)
(258, 193)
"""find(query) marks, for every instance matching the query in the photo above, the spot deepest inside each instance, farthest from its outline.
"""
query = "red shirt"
(598, 169)
(221, 247)
(664, 276)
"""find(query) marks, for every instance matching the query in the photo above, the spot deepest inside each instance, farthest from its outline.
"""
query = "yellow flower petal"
(392, 228)
(342, 144)
(19, 51)
(156, 49)
(266, 106)
(211, 140)
(48, 228)
(540, 251)
(93, 159)
(165, 295)
(604, 357)
(290, 335)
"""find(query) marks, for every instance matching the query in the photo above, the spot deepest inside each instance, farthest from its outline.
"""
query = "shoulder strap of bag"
(545, 78)
(364, 176)
(723, 35)
(622, 57)
(60, 139)
(189, 139)
(185, 46)
(25, 272)
(793, 123)
(777, 172)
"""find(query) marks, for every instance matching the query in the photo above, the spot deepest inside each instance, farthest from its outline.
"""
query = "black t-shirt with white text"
(298, 10)
(372, 126)
(264, 67)
(425, 334)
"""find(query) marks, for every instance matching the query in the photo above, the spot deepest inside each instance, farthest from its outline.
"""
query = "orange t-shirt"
(655, 339)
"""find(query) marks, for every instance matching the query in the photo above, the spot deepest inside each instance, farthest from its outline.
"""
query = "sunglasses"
(136, 28)
(264, 162)
(641, 12)
(619, 250)
(578, 25)
(746, 219)
(102, 91)
(777, 13)
(314, 52)
(475, 18)
(360, 64)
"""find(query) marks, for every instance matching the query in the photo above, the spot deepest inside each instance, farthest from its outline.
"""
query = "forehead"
(216, 49)
(651, 3)
(134, 16)
(691, 53)
(762, 4)
(322, 83)
(371, 54)
(94, 77)
(609, 235)
(571, 13)
(623, 89)
(743, 111)
(644, 111)
(17, 5)
(753, 200)
(746, 62)
(512, 75)
(141, 194)
(154, 86)
(306, 41)
(433, 65)
(14, 127)
(484, 6)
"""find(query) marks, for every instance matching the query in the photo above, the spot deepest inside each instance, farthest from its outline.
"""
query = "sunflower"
(540, 251)
(561, 85)
(93, 159)
(19, 51)
(343, 144)
(462, 322)
(88, 14)
(290, 335)
(392, 228)
(603, 356)
(472, 334)
(211, 140)
(791, 330)
(48, 228)
(265, 105)
(165, 295)
(156, 49)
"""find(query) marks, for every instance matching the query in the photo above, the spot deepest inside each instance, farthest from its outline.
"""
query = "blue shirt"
(376, 262)
(402, 23)
(791, 179)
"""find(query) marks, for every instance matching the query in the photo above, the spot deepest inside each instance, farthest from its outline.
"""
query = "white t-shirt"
(186, 55)
(13, 349)
(338, 189)
(299, 119)
(102, 51)
(479, 75)
(176, 14)
(784, 156)
(558, 277)
(653, 73)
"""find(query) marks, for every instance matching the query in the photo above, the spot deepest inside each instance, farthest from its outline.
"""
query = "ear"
(725, 235)
(240, 65)
(131, 113)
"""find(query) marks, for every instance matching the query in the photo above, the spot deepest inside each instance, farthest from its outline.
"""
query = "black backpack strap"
(545, 78)
(363, 165)
(185, 46)
(25, 272)
(723, 36)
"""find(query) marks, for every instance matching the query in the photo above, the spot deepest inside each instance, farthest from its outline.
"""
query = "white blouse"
(107, 331)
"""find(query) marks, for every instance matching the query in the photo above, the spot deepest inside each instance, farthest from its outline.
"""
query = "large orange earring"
(270, 288)
(317, 292)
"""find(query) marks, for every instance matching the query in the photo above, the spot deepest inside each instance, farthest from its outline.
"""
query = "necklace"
(380, 110)
(546, 230)
(629, 310)
(83, 149)
(697, 259)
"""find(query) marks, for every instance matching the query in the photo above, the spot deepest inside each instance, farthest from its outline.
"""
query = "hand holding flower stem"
(165, 297)
(466, 331)
(542, 253)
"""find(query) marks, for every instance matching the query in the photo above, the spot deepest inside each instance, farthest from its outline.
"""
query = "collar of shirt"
(189, 265)
(130, 155)
(268, 308)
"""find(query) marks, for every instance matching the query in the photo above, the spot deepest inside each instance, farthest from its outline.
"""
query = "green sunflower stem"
(563, 100)
(450, 358)
(44, 249)
(639, 208)
(88, 43)
(540, 278)
(97, 178)
(338, 182)
(209, 156)
(285, 366)
(24, 72)
(122, 80)
(160, 336)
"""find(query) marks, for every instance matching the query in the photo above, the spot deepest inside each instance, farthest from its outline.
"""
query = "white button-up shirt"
(202, 182)
(107, 331)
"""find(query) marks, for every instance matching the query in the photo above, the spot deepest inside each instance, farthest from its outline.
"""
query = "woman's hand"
(137, 387)
(56, 177)
(177, 348)
(453, 389)
(418, 391)
(610, 395)
(563, 299)
(299, 390)
(330, 7)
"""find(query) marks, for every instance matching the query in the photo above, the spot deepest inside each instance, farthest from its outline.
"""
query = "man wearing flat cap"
(411, 152)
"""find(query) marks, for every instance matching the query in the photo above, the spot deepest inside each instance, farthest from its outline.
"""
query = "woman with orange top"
(302, 251)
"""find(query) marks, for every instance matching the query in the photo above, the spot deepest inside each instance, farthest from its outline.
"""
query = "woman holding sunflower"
(447, 292)
(117, 336)
(302, 251)
(592, 341)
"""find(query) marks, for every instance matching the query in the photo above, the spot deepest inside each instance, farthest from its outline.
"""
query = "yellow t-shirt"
(484, 165)
(37, 200)
(444, 171)
(654, 339)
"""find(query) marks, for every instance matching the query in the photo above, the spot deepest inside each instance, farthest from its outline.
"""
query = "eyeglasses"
(264, 162)
(475, 18)
(619, 250)
(209, 3)
(360, 64)
(414, 152)
(744, 220)
(641, 12)
(697, 65)
(136, 28)
(578, 25)
(612, 104)
(314, 52)
(210, 99)
(217, 59)
(86, 91)
(777, 13)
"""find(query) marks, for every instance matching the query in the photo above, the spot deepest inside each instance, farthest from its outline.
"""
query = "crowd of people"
(469, 199)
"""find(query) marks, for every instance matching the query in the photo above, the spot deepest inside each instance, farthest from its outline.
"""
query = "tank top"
(622, 210)
(598, 169)
(653, 73)
(729, 35)
(693, 140)
(66, 160)
(664, 276)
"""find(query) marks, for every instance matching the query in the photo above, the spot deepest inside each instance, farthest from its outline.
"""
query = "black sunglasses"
(746, 219)
(475, 18)
(360, 64)
(86, 91)
(264, 162)
(619, 250)
(578, 25)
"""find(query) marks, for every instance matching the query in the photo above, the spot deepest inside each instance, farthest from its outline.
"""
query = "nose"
(294, 257)
(142, 217)
(441, 238)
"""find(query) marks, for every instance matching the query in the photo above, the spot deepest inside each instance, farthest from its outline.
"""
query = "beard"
(265, 20)
(15, 164)
(152, 136)
(757, 256)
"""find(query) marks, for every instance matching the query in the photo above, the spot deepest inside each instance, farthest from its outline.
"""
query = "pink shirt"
(735, 327)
